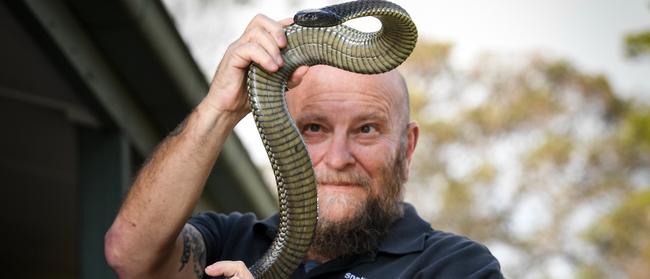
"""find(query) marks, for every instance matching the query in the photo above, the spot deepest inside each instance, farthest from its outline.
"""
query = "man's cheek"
(315, 152)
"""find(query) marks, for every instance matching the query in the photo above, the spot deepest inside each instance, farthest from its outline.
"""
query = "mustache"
(342, 178)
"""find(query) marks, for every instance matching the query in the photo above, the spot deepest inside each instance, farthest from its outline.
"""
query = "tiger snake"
(316, 37)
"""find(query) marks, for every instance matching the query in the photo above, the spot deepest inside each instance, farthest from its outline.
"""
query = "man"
(361, 143)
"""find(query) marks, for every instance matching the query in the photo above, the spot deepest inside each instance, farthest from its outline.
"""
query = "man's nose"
(339, 155)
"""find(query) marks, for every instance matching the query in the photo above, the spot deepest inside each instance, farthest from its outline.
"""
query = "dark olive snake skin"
(316, 37)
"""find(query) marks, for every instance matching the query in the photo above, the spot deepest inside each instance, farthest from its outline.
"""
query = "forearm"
(167, 189)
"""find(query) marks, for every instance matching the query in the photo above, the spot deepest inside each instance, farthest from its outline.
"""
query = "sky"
(588, 33)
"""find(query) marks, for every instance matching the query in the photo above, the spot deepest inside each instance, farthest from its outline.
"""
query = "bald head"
(330, 79)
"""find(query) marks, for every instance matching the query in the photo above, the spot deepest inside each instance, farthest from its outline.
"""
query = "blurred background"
(534, 117)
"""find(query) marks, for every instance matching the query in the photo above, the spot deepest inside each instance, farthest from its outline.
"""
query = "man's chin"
(340, 210)
(353, 229)
(337, 205)
(335, 216)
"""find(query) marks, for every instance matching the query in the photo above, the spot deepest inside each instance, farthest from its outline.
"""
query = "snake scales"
(316, 37)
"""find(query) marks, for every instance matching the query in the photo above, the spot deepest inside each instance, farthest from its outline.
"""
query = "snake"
(317, 36)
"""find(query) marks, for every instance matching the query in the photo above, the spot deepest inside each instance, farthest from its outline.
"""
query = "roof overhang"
(137, 69)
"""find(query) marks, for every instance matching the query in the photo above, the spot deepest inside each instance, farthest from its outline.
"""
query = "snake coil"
(316, 37)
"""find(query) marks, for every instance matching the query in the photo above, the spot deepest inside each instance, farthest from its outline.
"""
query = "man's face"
(353, 126)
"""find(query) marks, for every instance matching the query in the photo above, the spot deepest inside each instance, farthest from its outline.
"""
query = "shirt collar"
(407, 234)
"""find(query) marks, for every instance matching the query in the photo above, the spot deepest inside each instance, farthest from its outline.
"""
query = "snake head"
(317, 18)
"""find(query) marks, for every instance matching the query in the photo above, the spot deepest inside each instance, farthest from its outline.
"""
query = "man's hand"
(261, 44)
(229, 269)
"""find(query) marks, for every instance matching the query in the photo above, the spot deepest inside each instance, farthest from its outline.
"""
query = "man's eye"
(312, 127)
(366, 129)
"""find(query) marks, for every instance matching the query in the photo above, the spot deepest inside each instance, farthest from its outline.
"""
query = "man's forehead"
(334, 91)
(331, 76)
(353, 104)
(322, 83)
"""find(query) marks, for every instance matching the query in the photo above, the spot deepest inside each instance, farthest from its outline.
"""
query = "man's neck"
(313, 256)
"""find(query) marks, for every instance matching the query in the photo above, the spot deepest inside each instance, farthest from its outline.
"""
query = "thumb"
(296, 77)
(231, 269)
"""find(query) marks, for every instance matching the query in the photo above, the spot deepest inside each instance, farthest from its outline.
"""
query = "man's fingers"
(297, 75)
(271, 26)
(256, 53)
(261, 37)
(286, 22)
(231, 269)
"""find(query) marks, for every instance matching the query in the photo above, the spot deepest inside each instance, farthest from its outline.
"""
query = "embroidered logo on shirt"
(352, 276)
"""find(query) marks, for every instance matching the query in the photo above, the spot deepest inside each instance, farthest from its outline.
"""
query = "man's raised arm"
(150, 237)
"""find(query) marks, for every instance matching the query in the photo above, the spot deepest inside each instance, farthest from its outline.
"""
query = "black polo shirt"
(412, 249)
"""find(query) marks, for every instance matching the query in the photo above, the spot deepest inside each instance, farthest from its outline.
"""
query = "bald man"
(361, 143)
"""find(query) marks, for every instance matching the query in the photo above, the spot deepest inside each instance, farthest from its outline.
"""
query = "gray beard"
(359, 235)
(363, 233)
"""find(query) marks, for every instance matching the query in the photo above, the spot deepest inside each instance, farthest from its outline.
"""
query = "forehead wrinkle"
(358, 108)
(311, 117)
(371, 116)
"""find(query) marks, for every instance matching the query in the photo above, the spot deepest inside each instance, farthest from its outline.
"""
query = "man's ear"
(413, 133)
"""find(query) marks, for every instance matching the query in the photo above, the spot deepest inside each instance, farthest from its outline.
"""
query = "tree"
(637, 44)
(621, 235)
(515, 151)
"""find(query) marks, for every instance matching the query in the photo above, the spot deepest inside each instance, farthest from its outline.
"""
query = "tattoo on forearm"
(185, 257)
(193, 247)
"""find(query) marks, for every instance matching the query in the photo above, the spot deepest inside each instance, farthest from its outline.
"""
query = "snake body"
(316, 37)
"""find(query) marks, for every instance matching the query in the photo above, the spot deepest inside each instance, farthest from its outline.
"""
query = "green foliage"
(622, 235)
(486, 172)
(429, 57)
(520, 106)
(637, 44)
(590, 272)
(635, 131)
(625, 230)
(558, 72)
(555, 150)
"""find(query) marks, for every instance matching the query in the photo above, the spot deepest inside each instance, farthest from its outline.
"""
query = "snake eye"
(316, 18)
